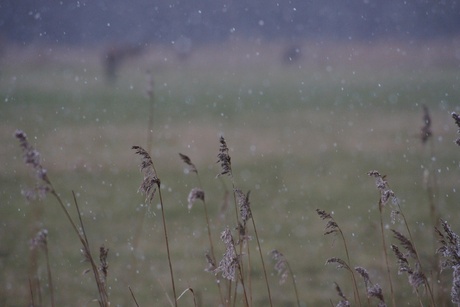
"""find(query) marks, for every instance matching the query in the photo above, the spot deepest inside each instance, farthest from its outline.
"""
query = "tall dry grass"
(235, 267)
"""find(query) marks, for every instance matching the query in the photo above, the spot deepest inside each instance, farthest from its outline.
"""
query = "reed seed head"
(406, 243)
(188, 161)
(211, 265)
(104, 266)
(245, 208)
(373, 290)
(382, 185)
(344, 301)
(403, 263)
(281, 265)
(339, 262)
(243, 234)
(376, 292)
(450, 250)
(194, 195)
(455, 291)
(224, 158)
(331, 226)
(151, 182)
(32, 157)
(40, 239)
(450, 246)
(364, 274)
(230, 262)
(456, 117)
(323, 214)
(417, 278)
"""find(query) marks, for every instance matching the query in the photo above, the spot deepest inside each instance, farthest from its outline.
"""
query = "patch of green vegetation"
(300, 139)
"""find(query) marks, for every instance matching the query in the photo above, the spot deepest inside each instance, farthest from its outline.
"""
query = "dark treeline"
(143, 21)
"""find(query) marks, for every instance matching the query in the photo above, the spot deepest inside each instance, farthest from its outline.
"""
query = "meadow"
(302, 136)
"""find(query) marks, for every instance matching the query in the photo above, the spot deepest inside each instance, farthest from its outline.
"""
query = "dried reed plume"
(32, 158)
(211, 264)
(333, 228)
(344, 300)
(188, 161)
(385, 194)
(372, 290)
(246, 214)
(416, 277)
(450, 251)
(340, 264)
(103, 264)
(194, 195)
(148, 187)
(199, 194)
(456, 117)
(151, 182)
(407, 243)
(224, 158)
(230, 264)
(243, 202)
(226, 168)
(284, 270)
(245, 209)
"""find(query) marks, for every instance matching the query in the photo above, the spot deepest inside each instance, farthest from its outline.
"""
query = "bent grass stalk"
(198, 193)
(193, 294)
(32, 158)
(246, 213)
(284, 269)
(149, 186)
(331, 228)
(387, 195)
(245, 209)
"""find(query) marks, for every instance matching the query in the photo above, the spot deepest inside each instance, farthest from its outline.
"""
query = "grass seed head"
(281, 265)
(188, 161)
(40, 239)
(151, 181)
(224, 158)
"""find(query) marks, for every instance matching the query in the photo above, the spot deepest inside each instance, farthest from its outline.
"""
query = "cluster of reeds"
(44, 186)
(235, 266)
(406, 256)
(232, 271)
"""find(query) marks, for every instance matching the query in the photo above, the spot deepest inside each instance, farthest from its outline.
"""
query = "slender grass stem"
(293, 283)
(355, 285)
(385, 255)
(31, 290)
(50, 279)
(132, 295)
(262, 261)
(167, 245)
(193, 294)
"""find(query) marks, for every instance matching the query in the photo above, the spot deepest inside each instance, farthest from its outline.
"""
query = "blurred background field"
(302, 136)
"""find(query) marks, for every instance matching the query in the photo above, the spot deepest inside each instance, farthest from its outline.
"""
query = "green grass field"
(301, 137)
